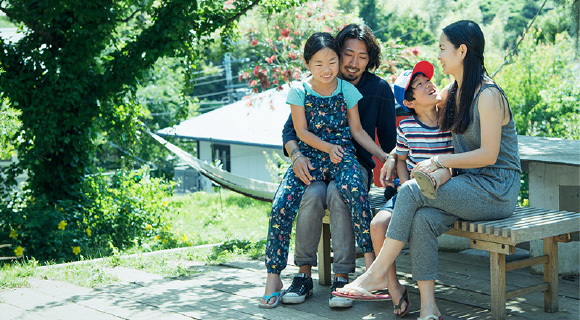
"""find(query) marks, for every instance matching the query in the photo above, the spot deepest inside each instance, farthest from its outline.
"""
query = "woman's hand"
(336, 152)
(426, 166)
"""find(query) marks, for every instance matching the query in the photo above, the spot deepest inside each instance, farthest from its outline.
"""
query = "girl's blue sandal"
(278, 295)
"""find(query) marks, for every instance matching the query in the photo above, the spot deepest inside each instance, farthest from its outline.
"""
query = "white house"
(238, 134)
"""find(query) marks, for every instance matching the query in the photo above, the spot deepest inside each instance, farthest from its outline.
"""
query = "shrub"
(116, 211)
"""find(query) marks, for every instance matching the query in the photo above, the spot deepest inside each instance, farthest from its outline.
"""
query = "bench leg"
(324, 256)
(551, 275)
(497, 277)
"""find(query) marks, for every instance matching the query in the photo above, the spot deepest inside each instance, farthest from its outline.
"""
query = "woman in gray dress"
(485, 185)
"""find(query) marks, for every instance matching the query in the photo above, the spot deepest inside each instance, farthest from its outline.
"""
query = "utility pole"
(228, 68)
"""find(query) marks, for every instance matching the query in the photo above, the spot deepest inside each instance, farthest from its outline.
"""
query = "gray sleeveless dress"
(486, 193)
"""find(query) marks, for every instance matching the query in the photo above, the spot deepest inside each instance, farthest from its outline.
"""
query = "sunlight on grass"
(204, 219)
(237, 222)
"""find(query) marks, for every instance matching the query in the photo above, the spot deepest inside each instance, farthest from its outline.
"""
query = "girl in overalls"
(325, 114)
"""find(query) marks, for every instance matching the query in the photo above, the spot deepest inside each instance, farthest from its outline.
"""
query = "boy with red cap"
(418, 138)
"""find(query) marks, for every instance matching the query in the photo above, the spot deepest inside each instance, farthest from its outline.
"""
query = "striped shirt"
(420, 142)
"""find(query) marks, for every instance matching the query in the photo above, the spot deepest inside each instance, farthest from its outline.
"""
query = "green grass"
(241, 223)
(212, 218)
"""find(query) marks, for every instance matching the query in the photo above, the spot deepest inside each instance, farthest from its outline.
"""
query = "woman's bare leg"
(428, 304)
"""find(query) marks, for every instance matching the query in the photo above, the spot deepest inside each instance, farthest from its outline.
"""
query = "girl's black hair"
(468, 33)
(317, 42)
(365, 34)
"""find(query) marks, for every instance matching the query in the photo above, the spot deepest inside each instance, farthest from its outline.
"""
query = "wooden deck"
(463, 292)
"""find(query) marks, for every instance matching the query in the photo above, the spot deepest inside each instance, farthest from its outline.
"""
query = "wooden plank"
(527, 290)
(564, 238)
(324, 276)
(480, 236)
(544, 231)
(492, 246)
(497, 279)
(551, 275)
(514, 265)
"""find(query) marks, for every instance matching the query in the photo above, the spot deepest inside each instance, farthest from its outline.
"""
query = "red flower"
(254, 42)
(275, 82)
(285, 32)
(252, 83)
(256, 70)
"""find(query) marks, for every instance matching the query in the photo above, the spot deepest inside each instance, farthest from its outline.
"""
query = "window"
(221, 152)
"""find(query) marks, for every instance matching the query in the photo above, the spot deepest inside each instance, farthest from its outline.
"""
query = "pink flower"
(285, 32)
(296, 75)
(275, 82)
(256, 70)
(416, 51)
(252, 83)
(254, 42)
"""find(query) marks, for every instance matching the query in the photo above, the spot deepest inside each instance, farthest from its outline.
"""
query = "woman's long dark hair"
(468, 33)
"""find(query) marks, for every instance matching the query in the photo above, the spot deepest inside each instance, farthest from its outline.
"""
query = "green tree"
(74, 77)
(542, 88)
(72, 71)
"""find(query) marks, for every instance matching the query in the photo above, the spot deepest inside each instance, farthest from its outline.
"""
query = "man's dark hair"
(365, 34)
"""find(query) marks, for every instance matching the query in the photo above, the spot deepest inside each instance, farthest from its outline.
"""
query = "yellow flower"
(18, 251)
(165, 203)
(184, 238)
(168, 227)
(157, 238)
(165, 240)
(62, 224)
(76, 250)
(89, 232)
(148, 227)
(13, 234)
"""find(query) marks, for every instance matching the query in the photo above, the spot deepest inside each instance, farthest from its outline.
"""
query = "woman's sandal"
(404, 298)
(427, 183)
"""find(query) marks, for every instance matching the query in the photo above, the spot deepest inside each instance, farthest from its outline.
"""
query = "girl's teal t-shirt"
(298, 92)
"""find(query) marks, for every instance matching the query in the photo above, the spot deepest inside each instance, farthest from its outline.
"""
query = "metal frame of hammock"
(252, 188)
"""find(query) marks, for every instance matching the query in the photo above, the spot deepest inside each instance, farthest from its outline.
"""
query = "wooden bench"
(498, 237)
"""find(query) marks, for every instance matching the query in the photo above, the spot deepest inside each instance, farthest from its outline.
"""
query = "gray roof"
(257, 120)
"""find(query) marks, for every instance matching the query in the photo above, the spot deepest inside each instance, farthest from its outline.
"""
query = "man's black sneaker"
(300, 288)
(338, 302)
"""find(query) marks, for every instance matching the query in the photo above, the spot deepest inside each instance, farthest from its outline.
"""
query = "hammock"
(252, 188)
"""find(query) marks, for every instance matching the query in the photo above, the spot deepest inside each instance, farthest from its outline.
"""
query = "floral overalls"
(326, 118)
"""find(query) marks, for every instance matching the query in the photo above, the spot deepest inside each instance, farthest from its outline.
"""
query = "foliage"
(411, 31)
(120, 211)
(542, 88)
(276, 48)
(277, 166)
(9, 127)
(254, 249)
(74, 75)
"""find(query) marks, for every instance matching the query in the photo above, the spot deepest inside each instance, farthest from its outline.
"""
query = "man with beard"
(360, 54)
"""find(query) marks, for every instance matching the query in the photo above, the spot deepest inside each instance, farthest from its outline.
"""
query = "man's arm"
(386, 120)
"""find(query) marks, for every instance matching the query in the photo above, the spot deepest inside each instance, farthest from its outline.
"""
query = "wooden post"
(551, 275)
(497, 277)
(324, 256)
